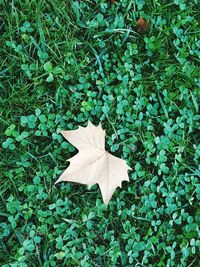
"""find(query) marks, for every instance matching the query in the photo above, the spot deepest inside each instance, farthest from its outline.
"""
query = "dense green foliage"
(64, 62)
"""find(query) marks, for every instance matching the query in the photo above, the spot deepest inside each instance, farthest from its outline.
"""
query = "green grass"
(65, 62)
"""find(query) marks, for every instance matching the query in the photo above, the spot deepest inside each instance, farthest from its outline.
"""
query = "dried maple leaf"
(93, 164)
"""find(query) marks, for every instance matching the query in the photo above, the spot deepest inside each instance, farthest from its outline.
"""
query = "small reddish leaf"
(142, 25)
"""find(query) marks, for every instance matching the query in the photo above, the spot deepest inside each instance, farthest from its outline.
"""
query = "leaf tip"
(61, 132)
(56, 182)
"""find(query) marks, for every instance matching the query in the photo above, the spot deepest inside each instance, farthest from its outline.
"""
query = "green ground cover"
(64, 62)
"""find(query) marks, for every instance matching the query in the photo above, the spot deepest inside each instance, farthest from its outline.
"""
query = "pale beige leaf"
(93, 164)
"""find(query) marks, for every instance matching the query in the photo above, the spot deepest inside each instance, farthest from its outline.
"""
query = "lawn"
(66, 62)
